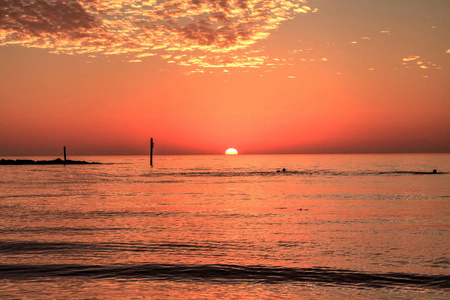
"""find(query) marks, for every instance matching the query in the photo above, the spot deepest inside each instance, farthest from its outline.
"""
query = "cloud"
(413, 63)
(142, 28)
(411, 58)
(42, 18)
(225, 61)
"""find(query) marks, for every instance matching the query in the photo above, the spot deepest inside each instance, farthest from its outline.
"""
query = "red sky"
(280, 76)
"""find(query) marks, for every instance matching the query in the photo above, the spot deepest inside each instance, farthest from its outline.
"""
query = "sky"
(102, 77)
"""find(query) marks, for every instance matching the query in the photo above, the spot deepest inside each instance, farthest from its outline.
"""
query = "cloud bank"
(143, 28)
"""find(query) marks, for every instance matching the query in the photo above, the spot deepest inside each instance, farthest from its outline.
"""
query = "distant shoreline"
(57, 161)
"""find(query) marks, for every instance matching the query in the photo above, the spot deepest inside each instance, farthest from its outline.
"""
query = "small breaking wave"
(227, 273)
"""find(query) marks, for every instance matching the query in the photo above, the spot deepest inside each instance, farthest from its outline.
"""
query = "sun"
(231, 151)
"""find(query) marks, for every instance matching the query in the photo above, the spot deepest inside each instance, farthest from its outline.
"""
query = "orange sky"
(280, 76)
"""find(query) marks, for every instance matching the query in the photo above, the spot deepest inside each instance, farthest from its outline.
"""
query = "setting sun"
(231, 151)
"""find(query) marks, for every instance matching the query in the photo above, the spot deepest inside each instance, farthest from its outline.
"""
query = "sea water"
(231, 227)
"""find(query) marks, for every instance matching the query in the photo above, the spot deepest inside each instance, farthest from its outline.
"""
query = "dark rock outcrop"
(57, 161)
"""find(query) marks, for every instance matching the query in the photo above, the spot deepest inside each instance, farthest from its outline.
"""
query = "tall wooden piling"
(65, 155)
(151, 151)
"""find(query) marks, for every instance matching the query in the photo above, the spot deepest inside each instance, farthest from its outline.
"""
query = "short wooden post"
(151, 151)
(64, 154)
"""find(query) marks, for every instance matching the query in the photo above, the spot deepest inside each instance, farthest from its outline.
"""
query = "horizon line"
(254, 153)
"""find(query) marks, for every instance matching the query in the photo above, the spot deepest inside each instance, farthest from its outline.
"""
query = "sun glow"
(231, 151)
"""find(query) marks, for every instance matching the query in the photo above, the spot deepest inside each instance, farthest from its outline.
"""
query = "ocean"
(227, 227)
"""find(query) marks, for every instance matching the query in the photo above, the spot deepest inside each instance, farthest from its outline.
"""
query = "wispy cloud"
(416, 62)
(411, 58)
(144, 28)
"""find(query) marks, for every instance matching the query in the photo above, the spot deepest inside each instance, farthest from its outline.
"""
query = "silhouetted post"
(64, 154)
(151, 151)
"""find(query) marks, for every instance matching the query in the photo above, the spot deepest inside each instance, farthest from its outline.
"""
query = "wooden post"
(64, 154)
(151, 151)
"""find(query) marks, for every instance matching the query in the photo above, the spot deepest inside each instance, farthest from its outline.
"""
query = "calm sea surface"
(207, 227)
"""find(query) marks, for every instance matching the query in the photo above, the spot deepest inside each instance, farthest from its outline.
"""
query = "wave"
(68, 247)
(287, 173)
(227, 273)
